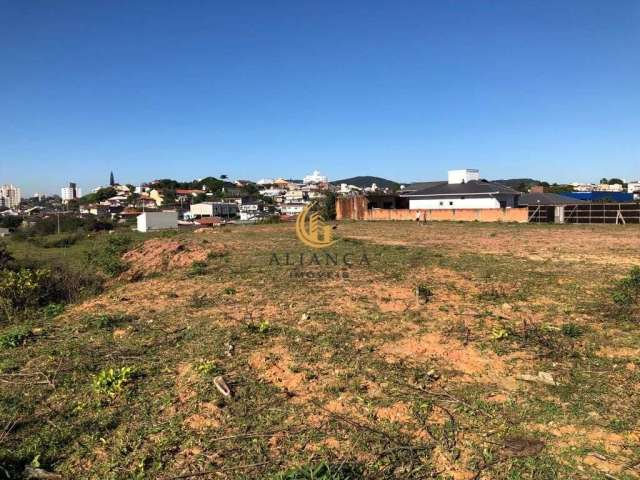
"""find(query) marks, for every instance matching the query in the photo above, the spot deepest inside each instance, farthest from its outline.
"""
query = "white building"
(345, 189)
(272, 192)
(464, 190)
(150, 221)
(463, 176)
(72, 192)
(315, 177)
(213, 209)
(294, 196)
(10, 196)
(292, 208)
(605, 187)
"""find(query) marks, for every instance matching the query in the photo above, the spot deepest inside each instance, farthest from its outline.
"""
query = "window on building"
(450, 203)
(441, 203)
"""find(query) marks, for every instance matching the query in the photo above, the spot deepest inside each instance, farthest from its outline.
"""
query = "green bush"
(14, 337)
(20, 289)
(322, 471)
(28, 288)
(113, 381)
(53, 310)
(63, 240)
(627, 290)
(107, 320)
(108, 258)
(572, 330)
(6, 259)
(198, 268)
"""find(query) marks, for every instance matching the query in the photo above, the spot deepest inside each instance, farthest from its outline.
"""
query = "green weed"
(111, 382)
(14, 337)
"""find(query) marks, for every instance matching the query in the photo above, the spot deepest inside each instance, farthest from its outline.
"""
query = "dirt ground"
(516, 364)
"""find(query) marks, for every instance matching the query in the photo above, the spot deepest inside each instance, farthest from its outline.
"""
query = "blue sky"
(399, 89)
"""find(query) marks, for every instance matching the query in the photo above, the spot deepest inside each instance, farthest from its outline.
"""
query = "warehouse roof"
(474, 187)
(547, 199)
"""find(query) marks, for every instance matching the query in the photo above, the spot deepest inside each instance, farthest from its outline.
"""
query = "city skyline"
(516, 89)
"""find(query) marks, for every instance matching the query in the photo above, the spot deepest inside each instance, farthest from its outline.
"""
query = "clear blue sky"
(399, 89)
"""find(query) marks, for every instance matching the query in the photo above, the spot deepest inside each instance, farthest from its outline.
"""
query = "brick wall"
(355, 208)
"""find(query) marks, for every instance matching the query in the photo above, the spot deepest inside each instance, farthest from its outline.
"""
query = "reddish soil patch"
(276, 367)
(159, 255)
(398, 412)
(486, 367)
(209, 416)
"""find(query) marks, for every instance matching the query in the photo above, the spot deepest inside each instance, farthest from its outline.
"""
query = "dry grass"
(351, 371)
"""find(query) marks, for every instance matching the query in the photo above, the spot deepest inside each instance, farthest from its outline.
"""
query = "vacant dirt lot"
(514, 363)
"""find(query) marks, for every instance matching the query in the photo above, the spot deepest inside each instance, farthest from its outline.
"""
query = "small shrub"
(572, 330)
(208, 368)
(322, 471)
(20, 289)
(198, 268)
(63, 240)
(200, 301)
(492, 294)
(6, 259)
(14, 337)
(108, 259)
(107, 320)
(53, 310)
(212, 255)
(627, 290)
(423, 293)
(112, 381)
(230, 291)
(263, 327)
(64, 285)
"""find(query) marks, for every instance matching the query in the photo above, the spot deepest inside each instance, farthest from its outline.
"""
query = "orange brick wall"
(355, 208)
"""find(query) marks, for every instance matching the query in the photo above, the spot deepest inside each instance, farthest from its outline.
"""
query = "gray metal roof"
(547, 199)
(415, 186)
(469, 188)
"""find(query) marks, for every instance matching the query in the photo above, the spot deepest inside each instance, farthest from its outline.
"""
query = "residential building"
(273, 192)
(251, 209)
(294, 196)
(315, 178)
(72, 192)
(213, 209)
(292, 208)
(605, 187)
(95, 209)
(10, 196)
(633, 187)
(346, 189)
(463, 190)
(150, 221)
(156, 196)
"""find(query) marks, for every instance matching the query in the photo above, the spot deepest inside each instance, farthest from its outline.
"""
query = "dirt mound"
(160, 255)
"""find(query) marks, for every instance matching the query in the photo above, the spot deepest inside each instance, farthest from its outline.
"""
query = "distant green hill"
(517, 183)
(366, 181)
